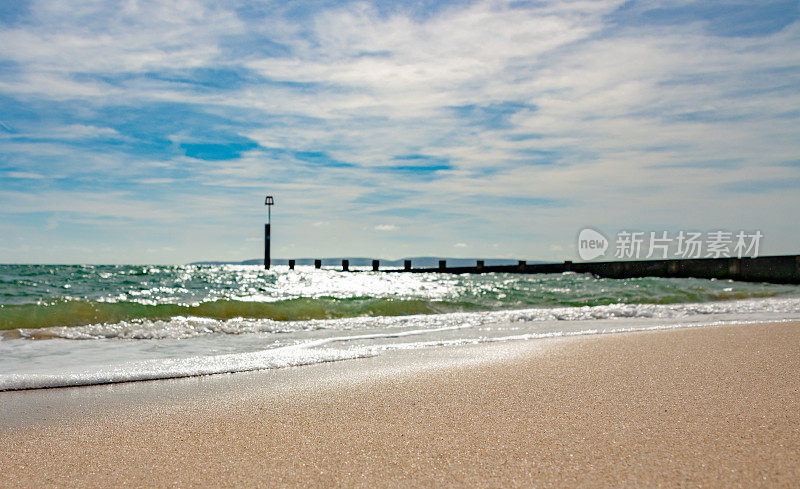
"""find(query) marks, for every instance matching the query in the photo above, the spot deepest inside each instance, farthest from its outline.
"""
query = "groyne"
(773, 269)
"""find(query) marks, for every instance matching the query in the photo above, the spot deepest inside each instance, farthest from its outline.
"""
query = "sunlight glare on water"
(76, 325)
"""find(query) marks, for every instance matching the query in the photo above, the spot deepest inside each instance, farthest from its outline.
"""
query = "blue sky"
(149, 132)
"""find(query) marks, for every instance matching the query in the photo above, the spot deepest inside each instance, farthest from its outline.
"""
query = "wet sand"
(709, 406)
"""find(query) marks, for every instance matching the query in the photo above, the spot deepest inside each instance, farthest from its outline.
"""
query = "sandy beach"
(714, 406)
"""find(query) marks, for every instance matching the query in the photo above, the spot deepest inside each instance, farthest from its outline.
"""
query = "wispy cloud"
(485, 122)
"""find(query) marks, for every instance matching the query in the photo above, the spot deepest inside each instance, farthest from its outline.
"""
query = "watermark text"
(643, 245)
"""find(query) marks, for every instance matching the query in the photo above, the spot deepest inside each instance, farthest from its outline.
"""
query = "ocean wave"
(71, 313)
(305, 353)
(181, 327)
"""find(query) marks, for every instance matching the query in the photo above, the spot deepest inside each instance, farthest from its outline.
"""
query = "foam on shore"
(114, 361)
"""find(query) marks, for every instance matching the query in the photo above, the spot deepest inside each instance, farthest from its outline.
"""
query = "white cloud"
(23, 174)
(624, 126)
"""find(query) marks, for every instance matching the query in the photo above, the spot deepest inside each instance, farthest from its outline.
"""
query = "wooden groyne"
(783, 269)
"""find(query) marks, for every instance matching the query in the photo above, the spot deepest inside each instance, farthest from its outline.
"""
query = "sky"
(150, 131)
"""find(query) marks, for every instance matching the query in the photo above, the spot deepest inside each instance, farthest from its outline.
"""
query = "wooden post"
(375, 265)
(269, 202)
(442, 265)
(734, 267)
(672, 268)
(266, 247)
(345, 265)
(797, 269)
(407, 265)
(291, 264)
(317, 264)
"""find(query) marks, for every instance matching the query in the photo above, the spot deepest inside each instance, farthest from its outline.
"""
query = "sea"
(93, 324)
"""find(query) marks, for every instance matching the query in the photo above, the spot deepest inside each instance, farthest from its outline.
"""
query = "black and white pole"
(269, 202)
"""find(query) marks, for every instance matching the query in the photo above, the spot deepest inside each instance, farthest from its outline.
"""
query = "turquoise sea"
(77, 325)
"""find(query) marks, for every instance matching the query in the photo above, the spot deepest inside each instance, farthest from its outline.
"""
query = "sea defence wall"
(774, 269)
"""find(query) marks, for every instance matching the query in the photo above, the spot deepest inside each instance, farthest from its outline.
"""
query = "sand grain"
(701, 407)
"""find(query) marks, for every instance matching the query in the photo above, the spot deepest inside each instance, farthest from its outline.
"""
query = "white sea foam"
(187, 327)
(172, 368)
(188, 346)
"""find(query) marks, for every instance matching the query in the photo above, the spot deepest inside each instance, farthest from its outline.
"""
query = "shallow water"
(75, 325)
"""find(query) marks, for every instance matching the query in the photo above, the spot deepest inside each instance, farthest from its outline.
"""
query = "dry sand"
(702, 407)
